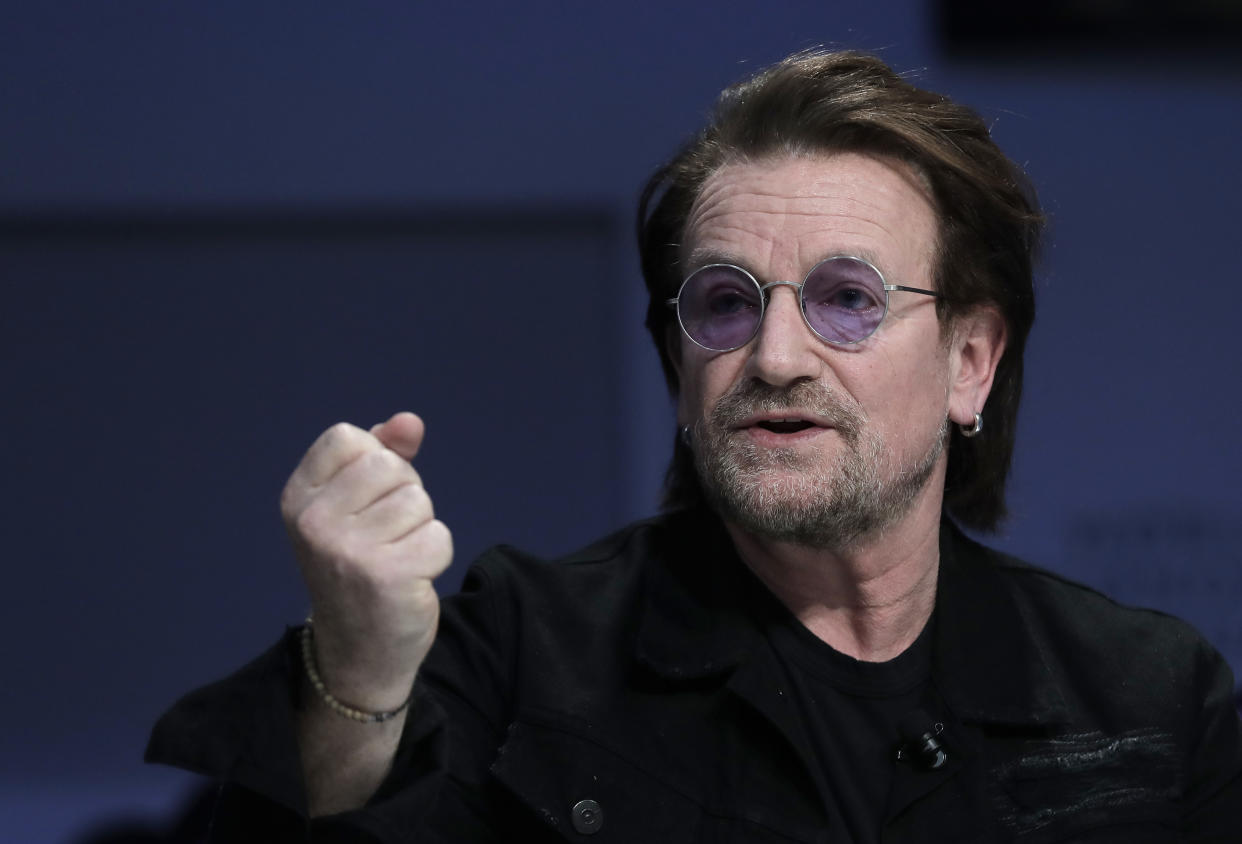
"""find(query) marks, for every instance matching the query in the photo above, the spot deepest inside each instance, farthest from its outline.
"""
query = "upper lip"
(784, 416)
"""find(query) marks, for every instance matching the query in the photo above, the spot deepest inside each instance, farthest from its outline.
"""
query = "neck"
(869, 600)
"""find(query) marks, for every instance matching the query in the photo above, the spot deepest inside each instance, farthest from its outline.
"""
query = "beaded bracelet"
(345, 710)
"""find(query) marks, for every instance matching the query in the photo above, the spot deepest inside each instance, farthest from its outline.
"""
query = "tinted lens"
(719, 307)
(844, 300)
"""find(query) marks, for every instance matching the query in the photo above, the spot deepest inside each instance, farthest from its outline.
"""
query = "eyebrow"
(705, 256)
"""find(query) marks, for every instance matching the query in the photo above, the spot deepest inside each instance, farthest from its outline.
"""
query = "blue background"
(225, 226)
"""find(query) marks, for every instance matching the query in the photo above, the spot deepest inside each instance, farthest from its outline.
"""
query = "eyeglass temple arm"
(891, 287)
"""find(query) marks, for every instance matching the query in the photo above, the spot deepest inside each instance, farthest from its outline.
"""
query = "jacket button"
(588, 817)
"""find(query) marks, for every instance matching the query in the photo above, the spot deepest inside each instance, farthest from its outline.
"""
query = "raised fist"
(369, 546)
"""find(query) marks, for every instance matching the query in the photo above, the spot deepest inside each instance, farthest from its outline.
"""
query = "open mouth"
(784, 426)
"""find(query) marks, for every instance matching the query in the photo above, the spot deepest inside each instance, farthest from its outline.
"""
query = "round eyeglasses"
(843, 300)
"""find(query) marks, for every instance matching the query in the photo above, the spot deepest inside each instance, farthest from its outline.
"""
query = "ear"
(976, 347)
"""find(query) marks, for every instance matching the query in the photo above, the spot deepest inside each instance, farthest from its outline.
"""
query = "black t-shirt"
(852, 710)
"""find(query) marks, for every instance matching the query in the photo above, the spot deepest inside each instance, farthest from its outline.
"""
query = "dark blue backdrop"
(224, 226)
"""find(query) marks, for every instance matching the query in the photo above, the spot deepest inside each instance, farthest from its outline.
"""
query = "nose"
(784, 350)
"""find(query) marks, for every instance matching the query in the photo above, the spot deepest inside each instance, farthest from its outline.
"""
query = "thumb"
(403, 433)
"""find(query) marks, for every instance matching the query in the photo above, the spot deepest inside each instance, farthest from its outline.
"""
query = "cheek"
(705, 378)
(897, 397)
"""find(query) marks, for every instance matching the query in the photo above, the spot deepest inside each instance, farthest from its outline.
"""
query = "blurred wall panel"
(170, 373)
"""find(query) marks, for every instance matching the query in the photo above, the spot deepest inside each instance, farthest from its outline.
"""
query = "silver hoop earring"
(684, 435)
(972, 430)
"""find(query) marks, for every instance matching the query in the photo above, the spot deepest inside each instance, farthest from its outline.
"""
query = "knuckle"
(306, 524)
(343, 436)
(414, 498)
(316, 525)
(441, 526)
(439, 542)
(349, 548)
(341, 429)
(379, 461)
(408, 493)
(428, 549)
(440, 531)
(338, 433)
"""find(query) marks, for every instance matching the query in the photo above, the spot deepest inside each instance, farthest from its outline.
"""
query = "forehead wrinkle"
(774, 222)
(808, 247)
(738, 216)
(755, 180)
(776, 203)
(843, 207)
(702, 253)
(715, 198)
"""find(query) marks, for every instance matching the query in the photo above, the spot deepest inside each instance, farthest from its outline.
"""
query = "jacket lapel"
(702, 626)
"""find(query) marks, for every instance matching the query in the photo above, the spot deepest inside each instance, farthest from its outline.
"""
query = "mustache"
(754, 396)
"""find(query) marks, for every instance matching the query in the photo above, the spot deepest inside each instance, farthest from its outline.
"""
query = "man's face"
(796, 439)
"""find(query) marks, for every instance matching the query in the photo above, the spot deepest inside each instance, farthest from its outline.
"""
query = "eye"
(728, 301)
(852, 298)
(849, 297)
(720, 292)
(719, 307)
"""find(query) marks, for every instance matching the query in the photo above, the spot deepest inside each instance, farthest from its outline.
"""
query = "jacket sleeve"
(241, 731)
(1213, 794)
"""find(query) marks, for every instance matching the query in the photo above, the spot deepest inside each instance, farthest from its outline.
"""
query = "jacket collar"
(698, 614)
(703, 612)
(987, 664)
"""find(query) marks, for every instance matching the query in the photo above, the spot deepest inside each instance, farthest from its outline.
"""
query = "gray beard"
(814, 504)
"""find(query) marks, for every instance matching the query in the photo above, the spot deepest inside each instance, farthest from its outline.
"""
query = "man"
(804, 647)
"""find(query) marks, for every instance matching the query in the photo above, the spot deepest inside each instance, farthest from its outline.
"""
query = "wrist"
(362, 702)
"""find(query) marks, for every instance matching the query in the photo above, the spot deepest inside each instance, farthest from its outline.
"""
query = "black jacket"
(626, 693)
